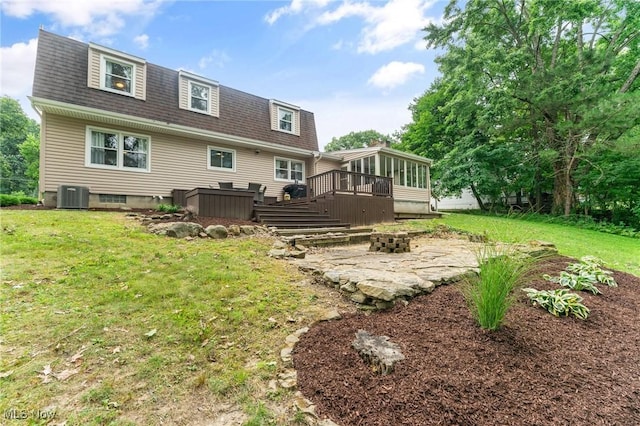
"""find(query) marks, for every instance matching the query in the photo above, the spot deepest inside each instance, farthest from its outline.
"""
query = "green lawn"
(622, 253)
(145, 328)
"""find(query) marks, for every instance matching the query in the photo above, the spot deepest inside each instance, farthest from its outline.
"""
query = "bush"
(490, 295)
(587, 273)
(168, 208)
(15, 199)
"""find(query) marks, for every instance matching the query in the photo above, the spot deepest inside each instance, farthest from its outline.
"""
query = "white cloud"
(95, 18)
(142, 41)
(17, 67)
(217, 58)
(385, 115)
(294, 8)
(386, 27)
(395, 74)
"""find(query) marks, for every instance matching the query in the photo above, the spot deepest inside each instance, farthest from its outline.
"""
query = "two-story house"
(133, 133)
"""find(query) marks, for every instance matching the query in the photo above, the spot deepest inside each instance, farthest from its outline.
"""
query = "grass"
(617, 252)
(83, 292)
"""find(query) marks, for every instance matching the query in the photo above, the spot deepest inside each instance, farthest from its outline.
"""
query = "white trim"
(284, 104)
(379, 149)
(189, 97)
(120, 166)
(125, 120)
(117, 53)
(221, 169)
(191, 76)
(289, 160)
(103, 72)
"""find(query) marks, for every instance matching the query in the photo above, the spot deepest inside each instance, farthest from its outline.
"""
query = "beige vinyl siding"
(175, 163)
(94, 75)
(214, 96)
(413, 194)
(324, 165)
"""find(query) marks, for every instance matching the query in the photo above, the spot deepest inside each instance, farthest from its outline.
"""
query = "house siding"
(325, 165)
(175, 163)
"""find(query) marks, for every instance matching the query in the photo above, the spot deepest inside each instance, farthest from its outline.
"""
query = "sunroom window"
(118, 76)
(289, 170)
(117, 150)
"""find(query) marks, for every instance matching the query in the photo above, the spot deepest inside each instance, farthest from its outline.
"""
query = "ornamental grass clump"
(490, 294)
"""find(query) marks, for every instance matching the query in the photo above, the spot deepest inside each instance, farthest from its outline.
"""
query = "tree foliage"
(355, 140)
(19, 148)
(530, 90)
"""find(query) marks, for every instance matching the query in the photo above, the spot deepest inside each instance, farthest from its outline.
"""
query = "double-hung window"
(289, 170)
(117, 150)
(117, 75)
(222, 159)
(199, 97)
(285, 120)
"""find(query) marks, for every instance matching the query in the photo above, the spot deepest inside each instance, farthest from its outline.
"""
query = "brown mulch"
(536, 370)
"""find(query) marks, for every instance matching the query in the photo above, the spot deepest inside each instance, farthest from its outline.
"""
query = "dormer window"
(284, 117)
(118, 75)
(199, 97)
(199, 94)
(285, 120)
(116, 72)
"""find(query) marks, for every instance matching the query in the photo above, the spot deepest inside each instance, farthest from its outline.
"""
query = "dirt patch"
(537, 370)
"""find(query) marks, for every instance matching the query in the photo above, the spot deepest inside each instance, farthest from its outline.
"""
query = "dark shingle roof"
(61, 75)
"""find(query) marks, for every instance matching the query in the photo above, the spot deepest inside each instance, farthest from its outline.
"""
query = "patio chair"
(225, 185)
(258, 192)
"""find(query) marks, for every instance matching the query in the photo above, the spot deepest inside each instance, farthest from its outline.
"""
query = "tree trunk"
(478, 198)
(562, 187)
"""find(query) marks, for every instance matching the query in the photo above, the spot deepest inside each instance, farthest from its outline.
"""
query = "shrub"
(16, 199)
(558, 302)
(9, 200)
(574, 282)
(168, 208)
(490, 295)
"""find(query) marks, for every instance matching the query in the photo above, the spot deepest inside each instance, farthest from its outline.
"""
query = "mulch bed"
(536, 370)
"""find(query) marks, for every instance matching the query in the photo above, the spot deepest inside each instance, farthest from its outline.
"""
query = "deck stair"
(298, 217)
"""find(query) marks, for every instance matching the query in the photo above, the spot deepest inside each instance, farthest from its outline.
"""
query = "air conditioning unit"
(73, 197)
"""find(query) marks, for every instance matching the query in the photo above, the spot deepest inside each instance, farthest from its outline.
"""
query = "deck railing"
(344, 182)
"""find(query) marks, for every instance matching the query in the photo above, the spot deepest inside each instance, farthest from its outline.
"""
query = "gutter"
(94, 114)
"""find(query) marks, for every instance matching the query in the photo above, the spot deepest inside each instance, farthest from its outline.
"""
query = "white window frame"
(189, 105)
(289, 169)
(103, 74)
(120, 150)
(221, 169)
(280, 110)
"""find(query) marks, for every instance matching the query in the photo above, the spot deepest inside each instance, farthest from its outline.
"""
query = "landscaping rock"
(377, 351)
(217, 231)
(177, 229)
(247, 230)
(385, 290)
(234, 230)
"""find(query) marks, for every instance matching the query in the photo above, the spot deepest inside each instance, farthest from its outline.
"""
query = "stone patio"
(376, 279)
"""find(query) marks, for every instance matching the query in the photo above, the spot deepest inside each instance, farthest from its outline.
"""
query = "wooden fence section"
(357, 210)
(231, 203)
(343, 182)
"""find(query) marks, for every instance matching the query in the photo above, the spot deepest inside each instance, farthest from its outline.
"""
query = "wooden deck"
(333, 199)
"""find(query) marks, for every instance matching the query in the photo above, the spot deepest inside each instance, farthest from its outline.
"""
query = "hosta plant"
(558, 302)
(574, 282)
(590, 267)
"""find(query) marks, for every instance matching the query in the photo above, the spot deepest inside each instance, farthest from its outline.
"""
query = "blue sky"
(357, 65)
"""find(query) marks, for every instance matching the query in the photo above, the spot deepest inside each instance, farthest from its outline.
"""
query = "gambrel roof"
(60, 81)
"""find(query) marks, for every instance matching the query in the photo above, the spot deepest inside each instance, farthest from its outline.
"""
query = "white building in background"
(466, 201)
